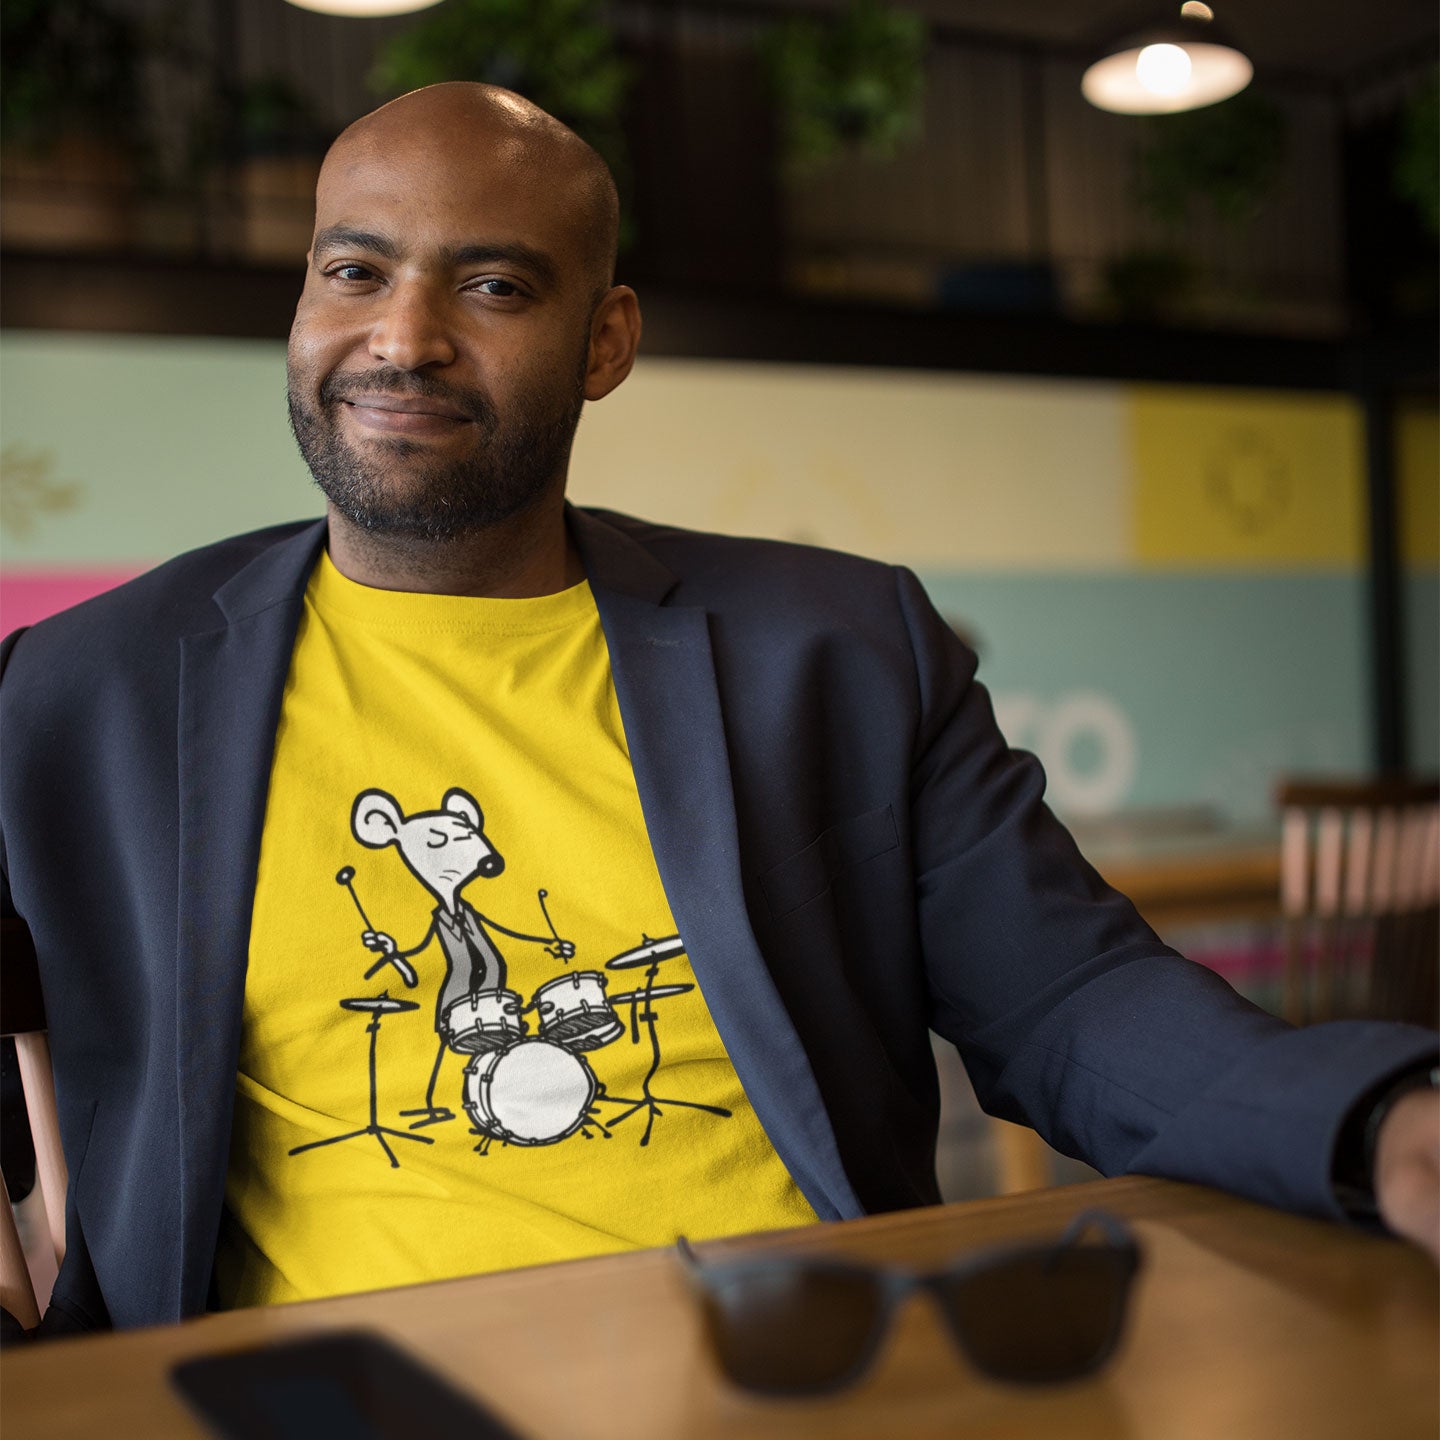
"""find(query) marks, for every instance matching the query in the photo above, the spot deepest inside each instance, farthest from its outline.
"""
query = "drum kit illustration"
(527, 1090)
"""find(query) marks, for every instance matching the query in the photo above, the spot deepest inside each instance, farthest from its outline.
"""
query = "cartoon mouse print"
(445, 850)
(521, 1088)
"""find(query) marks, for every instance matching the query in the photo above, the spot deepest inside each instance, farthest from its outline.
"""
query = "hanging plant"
(1149, 286)
(1417, 161)
(855, 84)
(1226, 156)
(557, 53)
(272, 117)
(67, 68)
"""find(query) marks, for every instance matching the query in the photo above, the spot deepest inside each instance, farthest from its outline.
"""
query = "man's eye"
(501, 289)
(349, 272)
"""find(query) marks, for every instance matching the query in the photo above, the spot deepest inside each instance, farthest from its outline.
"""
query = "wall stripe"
(914, 467)
(1245, 479)
(30, 595)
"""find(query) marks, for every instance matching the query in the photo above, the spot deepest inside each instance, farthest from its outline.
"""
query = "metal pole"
(1387, 601)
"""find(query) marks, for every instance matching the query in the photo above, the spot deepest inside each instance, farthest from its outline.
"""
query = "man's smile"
(397, 415)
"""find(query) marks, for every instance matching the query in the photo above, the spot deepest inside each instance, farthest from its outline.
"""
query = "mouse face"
(444, 849)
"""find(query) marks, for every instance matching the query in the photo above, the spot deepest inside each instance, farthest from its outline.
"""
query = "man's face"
(438, 355)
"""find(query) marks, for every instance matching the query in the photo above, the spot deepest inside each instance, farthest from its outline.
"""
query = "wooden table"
(1247, 1323)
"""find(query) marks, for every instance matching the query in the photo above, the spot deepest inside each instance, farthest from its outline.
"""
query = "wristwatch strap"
(1407, 1084)
(1353, 1173)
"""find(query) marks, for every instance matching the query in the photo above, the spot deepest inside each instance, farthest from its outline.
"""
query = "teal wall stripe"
(1160, 690)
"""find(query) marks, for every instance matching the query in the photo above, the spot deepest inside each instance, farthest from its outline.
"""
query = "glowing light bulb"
(364, 8)
(1163, 69)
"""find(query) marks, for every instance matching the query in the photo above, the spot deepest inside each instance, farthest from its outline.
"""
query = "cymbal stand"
(642, 1008)
(377, 1007)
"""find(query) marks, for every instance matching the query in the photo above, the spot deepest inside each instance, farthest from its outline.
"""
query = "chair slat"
(1329, 858)
(38, 1078)
(1360, 851)
(1295, 862)
(1360, 891)
(1387, 851)
(17, 1293)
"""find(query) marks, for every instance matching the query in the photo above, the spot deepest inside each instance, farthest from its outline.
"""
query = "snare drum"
(575, 1013)
(478, 1024)
(534, 1093)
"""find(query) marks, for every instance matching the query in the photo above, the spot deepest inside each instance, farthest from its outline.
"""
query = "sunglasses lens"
(1043, 1316)
(790, 1331)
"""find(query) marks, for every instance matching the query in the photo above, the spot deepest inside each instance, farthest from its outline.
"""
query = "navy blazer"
(852, 855)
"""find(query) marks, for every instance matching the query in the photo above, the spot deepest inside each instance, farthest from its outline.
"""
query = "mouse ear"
(376, 819)
(461, 802)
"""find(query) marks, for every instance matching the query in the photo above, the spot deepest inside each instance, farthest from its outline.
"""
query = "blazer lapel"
(665, 683)
(231, 682)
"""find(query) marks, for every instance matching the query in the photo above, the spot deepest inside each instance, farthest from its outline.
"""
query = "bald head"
(482, 127)
(457, 314)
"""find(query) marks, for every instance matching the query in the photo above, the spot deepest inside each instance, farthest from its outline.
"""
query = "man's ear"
(376, 819)
(614, 339)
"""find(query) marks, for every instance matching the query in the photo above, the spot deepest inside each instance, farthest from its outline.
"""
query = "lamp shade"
(364, 7)
(1179, 62)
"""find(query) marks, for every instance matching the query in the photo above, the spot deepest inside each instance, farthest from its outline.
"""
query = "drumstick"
(407, 971)
(345, 876)
(540, 895)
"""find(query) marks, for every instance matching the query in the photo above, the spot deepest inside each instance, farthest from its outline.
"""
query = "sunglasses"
(1026, 1314)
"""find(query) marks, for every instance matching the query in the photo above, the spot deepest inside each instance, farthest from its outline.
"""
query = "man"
(754, 785)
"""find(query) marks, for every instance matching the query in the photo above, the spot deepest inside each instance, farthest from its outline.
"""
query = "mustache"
(335, 389)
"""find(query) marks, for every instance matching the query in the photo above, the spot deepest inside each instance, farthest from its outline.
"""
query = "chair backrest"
(22, 1015)
(1360, 893)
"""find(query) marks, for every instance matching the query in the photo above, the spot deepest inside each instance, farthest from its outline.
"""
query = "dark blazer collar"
(614, 560)
(668, 688)
(278, 574)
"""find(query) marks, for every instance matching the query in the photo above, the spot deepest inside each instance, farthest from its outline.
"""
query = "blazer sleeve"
(1070, 1013)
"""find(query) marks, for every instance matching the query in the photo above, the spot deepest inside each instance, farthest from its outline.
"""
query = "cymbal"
(631, 997)
(652, 951)
(380, 1004)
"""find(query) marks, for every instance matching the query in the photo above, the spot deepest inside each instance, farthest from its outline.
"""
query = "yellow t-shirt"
(451, 779)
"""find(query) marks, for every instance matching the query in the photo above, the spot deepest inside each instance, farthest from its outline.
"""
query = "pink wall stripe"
(30, 595)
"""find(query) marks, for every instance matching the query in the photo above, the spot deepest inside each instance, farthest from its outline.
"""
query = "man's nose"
(412, 331)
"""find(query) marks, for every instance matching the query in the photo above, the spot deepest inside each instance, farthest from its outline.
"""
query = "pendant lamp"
(364, 7)
(1180, 61)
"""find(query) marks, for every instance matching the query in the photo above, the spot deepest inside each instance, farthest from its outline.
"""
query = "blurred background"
(1147, 400)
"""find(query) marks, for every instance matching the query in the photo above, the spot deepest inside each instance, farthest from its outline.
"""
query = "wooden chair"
(1360, 895)
(22, 1015)
(1022, 1158)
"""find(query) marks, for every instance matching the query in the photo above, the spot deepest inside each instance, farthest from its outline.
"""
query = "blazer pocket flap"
(809, 873)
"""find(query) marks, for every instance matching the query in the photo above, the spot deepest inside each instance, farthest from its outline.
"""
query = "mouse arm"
(391, 955)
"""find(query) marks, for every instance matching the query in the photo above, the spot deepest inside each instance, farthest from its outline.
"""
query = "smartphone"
(345, 1385)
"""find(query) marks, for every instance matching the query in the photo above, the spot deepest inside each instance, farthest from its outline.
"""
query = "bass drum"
(533, 1093)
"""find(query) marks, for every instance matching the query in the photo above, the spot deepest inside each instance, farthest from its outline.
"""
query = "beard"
(395, 490)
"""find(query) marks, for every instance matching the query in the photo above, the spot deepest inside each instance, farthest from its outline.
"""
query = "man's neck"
(527, 555)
